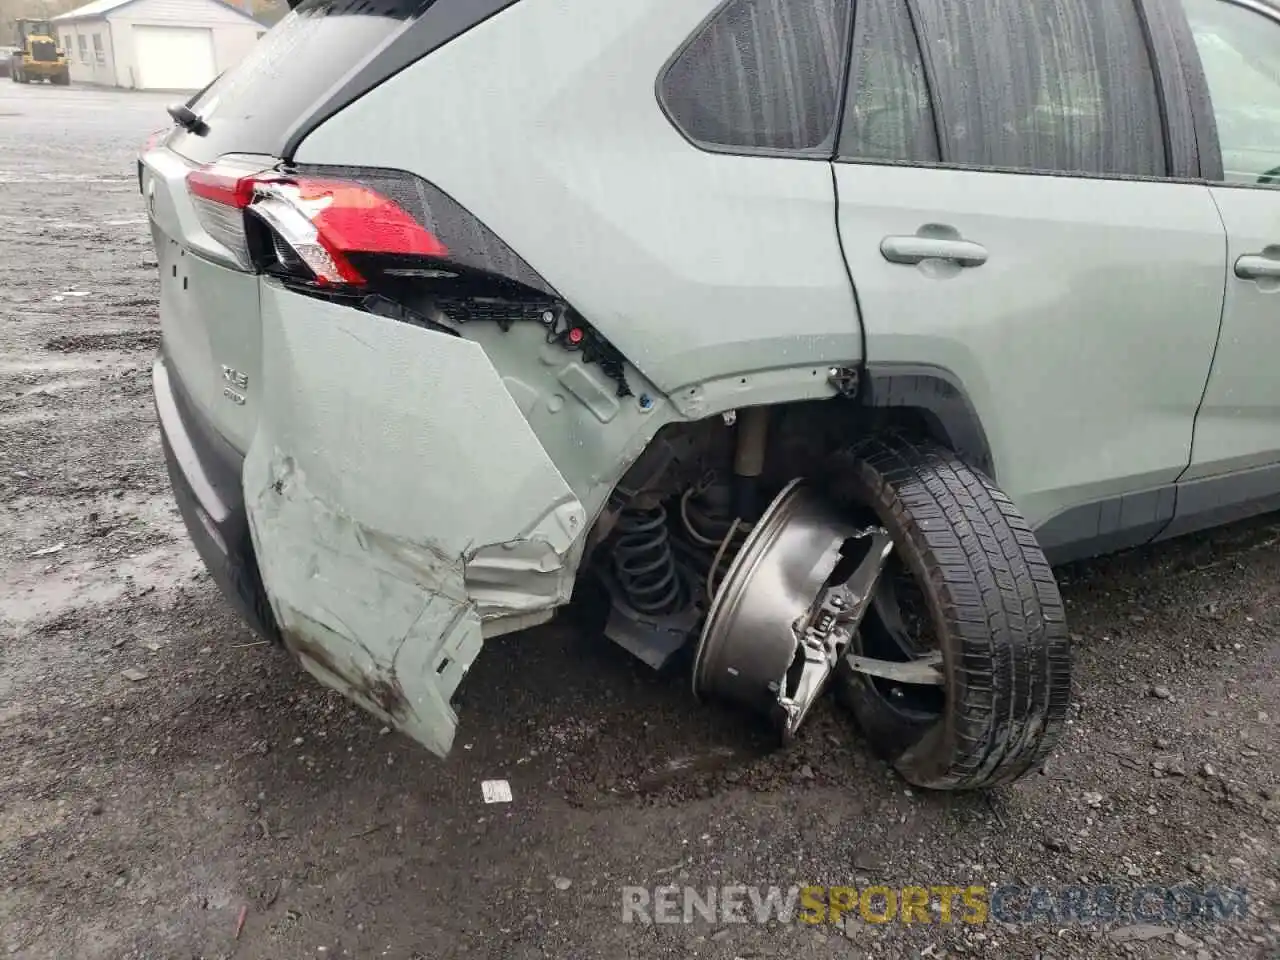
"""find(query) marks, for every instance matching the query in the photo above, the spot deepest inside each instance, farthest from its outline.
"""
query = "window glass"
(888, 115)
(1052, 86)
(252, 106)
(98, 52)
(1240, 51)
(84, 48)
(762, 75)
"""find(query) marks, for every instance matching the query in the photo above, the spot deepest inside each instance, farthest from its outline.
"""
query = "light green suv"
(807, 333)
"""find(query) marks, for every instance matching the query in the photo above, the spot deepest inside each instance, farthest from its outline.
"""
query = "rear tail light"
(328, 222)
(220, 194)
(386, 241)
(349, 227)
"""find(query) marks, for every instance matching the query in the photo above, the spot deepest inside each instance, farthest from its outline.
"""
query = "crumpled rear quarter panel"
(386, 458)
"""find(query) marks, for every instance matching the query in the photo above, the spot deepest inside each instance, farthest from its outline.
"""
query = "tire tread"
(994, 602)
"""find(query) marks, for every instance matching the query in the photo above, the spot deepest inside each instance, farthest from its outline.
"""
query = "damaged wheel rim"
(788, 607)
(896, 653)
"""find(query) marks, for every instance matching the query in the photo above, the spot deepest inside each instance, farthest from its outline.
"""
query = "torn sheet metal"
(397, 498)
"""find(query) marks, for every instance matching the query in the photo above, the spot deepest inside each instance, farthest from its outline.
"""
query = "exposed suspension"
(645, 564)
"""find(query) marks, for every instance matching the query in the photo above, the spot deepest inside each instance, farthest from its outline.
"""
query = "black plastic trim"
(442, 22)
(1106, 526)
(1159, 514)
(1179, 62)
(938, 394)
(1171, 94)
(1215, 501)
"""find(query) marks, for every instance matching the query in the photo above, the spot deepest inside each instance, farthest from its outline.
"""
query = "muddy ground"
(143, 817)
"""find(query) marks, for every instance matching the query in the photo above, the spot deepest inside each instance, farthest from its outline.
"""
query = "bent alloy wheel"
(960, 673)
(788, 607)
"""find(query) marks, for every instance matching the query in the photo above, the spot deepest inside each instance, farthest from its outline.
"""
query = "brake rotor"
(788, 607)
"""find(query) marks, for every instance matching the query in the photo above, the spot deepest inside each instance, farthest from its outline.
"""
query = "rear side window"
(762, 76)
(252, 107)
(1054, 86)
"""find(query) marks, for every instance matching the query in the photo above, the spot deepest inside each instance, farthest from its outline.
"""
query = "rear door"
(1011, 212)
(1239, 423)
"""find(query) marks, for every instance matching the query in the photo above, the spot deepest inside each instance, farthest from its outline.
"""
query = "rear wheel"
(62, 79)
(967, 585)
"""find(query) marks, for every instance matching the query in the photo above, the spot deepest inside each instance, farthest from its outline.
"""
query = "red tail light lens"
(323, 221)
(326, 222)
(223, 185)
(384, 231)
(387, 242)
(220, 193)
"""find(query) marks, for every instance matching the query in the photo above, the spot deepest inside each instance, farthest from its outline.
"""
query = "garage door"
(173, 58)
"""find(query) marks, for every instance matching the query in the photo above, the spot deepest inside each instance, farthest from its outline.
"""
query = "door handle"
(1255, 266)
(915, 249)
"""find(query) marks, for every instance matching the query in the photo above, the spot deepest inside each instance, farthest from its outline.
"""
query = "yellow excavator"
(37, 56)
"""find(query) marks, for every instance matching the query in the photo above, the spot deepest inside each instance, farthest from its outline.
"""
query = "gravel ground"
(164, 780)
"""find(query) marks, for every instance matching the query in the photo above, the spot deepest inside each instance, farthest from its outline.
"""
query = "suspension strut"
(748, 462)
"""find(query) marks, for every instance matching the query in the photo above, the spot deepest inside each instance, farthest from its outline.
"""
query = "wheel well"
(936, 401)
(802, 435)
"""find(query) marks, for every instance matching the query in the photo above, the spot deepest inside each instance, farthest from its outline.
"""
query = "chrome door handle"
(916, 249)
(1255, 266)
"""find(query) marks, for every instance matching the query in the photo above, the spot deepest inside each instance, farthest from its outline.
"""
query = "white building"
(155, 44)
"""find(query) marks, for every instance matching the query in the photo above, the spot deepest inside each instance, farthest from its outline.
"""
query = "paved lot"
(139, 818)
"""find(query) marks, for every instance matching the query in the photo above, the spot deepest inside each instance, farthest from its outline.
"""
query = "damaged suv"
(809, 331)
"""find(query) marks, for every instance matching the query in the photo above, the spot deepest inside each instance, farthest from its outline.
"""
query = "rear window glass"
(762, 75)
(252, 107)
(1054, 87)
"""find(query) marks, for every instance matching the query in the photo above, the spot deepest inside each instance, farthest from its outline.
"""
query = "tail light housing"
(346, 227)
(387, 241)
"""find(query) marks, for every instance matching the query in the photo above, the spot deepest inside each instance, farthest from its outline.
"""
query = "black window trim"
(1202, 102)
(736, 150)
(1176, 61)
(913, 18)
(1168, 63)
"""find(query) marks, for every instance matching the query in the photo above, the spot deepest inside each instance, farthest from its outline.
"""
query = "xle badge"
(237, 384)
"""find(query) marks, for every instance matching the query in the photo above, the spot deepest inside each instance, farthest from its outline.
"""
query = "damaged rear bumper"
(400, 506)
(394, 508)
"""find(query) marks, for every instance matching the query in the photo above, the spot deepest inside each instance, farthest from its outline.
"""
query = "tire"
(992, 604)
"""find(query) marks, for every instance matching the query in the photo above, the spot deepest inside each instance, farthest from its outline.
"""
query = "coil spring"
(645, 564)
